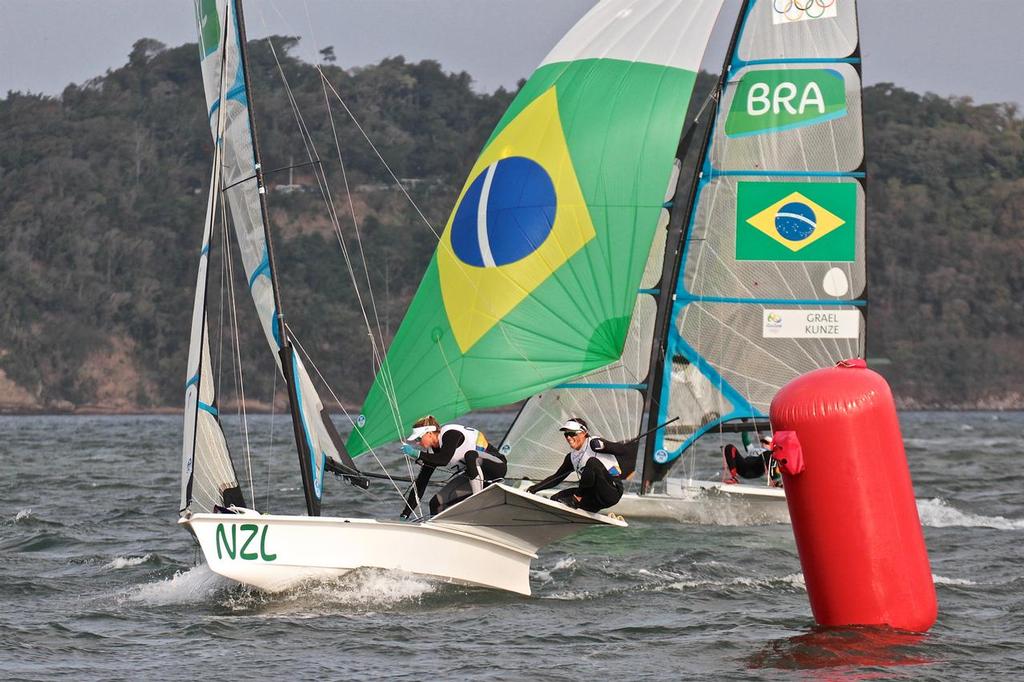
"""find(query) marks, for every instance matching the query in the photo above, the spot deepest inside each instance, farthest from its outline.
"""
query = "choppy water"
(96, 581)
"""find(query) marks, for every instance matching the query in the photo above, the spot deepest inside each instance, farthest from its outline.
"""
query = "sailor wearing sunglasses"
(600, 465)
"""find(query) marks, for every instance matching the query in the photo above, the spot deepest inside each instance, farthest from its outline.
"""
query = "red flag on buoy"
(787, 452)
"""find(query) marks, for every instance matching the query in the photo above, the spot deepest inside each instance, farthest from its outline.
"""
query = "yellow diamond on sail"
(795, 221)
(519, 218)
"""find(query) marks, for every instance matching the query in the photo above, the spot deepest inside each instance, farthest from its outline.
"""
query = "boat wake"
(937, 513)
(674, 581)
(362, 589)
(689, 582)
(128, 561)
(542, 576)
(196, 585)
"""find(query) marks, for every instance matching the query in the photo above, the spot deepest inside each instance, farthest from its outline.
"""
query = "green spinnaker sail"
(535, 277)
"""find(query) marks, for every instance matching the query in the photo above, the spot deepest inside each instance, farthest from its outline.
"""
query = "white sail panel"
(207, 474)
(799, 29)
(712, 267)
(773, 278)
(219, 45)
(535, 447)
(650, 31)
(214, 481)
(789, 117)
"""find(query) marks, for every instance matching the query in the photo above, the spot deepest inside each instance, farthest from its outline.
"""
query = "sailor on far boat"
(477, 463)
(600, 464)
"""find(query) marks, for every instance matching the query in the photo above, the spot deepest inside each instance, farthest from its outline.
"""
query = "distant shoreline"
(176, 411)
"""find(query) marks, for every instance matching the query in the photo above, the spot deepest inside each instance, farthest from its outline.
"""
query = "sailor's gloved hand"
(409, 450)
(532, 490)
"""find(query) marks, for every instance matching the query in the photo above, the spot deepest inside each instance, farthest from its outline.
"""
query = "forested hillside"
(102, 193)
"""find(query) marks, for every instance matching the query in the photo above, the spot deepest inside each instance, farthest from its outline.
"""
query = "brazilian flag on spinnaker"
(535, 277)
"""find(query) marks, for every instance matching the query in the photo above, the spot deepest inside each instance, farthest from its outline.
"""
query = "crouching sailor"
(477, 463)
(600, 465)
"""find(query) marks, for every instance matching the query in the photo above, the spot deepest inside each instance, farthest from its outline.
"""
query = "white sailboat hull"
(275, 552)
(708, 502)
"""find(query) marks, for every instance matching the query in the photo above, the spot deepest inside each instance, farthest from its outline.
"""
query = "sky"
(950, 47)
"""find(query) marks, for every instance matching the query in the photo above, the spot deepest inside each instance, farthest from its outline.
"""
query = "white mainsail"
(208, 477)
(719, 325)
(219, 43)
(772, 279)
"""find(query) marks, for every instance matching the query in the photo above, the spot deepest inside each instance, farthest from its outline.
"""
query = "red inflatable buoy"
(852, 502)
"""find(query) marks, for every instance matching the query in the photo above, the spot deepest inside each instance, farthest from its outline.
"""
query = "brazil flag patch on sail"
(796, 221)
(519, 218)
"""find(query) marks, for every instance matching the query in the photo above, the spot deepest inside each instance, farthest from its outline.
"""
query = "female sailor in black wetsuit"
(600, 464)
(759, 461)
(476, 462)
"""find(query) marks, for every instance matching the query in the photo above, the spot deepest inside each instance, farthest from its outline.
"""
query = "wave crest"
(937, 513)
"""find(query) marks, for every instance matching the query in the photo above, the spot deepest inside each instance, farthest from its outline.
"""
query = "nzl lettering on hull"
(230, 548)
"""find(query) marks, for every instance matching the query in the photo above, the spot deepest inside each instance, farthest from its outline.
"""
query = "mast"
(286, 352)
(679, 227)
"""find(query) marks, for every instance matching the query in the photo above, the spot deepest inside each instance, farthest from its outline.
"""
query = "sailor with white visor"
(600, 464)
(476, 463)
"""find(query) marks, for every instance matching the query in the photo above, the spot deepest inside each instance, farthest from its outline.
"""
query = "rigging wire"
(307, 358)
(394, 177)
(270, 457)
(324, 186)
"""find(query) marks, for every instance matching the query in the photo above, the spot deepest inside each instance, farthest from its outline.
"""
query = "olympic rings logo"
(799, 10)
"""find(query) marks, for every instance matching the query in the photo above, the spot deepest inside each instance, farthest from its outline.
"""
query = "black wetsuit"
(598, 488)
(751, 466)
(487, 466)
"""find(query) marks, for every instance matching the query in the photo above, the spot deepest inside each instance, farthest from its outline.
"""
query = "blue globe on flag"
(795, 221)
(505, 215)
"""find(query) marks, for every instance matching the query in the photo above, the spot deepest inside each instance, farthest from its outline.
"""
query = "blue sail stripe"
(208, 408)
(742, 63)
(741, 407)
(638, 387)
(317, 467)
(262, 269)
(275, 328)
(792, 126)
(670, 456)
(715, 173)
(193, 380)
(687, 297)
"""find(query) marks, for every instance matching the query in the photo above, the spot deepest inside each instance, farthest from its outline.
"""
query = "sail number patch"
(774, 100)
(247, 551)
